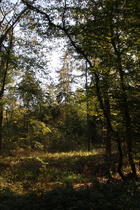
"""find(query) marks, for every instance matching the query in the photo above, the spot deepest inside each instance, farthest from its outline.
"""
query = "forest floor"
(64, 181)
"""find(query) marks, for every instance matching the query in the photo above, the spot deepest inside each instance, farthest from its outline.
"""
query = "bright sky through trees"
(43, 43)
(53, 56)
(53, 51)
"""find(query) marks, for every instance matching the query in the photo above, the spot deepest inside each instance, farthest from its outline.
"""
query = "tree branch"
(78, 50)
(3, 36)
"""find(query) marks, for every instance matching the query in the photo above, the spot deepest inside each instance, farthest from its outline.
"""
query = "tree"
(65, 80)
(105, 35)
(30, 96)
(10, 17)
(5, 63)
(29, 90)
(101, 32)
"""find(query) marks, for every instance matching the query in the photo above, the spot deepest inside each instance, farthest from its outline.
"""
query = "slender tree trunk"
(87, 110)
(129, 137)
(4, 68)
(108, 136)
(1, 121)
(109, 133)
(109, 124)
(120, 157)
(126, 115)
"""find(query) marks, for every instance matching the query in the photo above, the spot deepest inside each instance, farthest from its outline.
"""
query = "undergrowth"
(74, 180)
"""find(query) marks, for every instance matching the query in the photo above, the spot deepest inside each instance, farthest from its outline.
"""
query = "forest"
(69, 104)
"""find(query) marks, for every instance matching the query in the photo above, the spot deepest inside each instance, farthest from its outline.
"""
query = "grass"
(38, 170)
(73, 180)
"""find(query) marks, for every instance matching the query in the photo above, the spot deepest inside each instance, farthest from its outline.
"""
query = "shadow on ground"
(115, 195)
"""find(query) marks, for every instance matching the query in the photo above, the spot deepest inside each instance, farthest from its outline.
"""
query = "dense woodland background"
(91, 100)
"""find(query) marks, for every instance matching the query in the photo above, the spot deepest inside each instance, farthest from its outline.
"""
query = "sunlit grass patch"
(44, 171)
(72, 154)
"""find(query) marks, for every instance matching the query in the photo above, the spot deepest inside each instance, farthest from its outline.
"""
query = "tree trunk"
(128, 138)
(109, 133)
(120, 156)
(108, 136)
(87, 111)
(1, 121)
(125, 108)
(4, 68)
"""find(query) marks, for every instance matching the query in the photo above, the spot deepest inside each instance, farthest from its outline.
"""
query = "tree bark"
(120, 158)
(1, 121)
(5, 70)
(109, 133)
(126, 114)
(87, 112)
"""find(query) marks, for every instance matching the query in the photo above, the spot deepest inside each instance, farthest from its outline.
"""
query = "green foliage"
(105, 34)
(39, 128)
(29, 90)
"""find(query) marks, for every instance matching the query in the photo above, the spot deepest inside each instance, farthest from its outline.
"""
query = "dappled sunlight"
(69, 105)
(40, 175)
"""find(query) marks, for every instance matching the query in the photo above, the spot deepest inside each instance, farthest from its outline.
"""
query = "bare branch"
(3, 36)
(63, 15)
